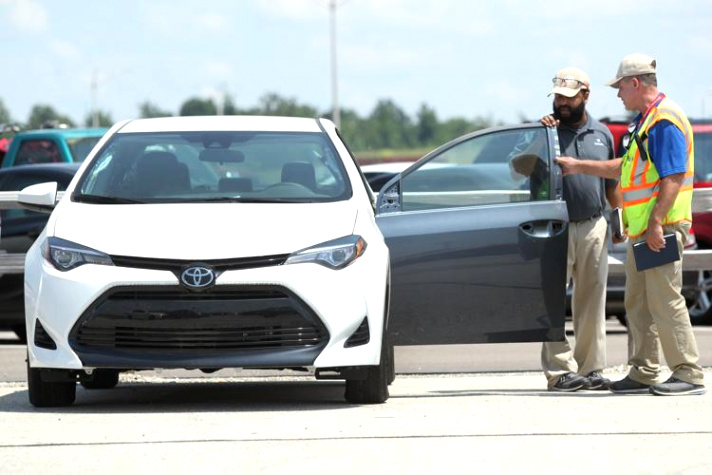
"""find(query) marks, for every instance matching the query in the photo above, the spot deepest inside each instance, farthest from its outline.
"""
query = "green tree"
(274, 104)
(149, 110)
(426, 126)
(197, 106)
(104, 119)
(42, 114)
(390, 126)
(4, 114)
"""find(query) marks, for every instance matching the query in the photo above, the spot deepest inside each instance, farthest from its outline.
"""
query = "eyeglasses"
(569, 83)
(625, 141)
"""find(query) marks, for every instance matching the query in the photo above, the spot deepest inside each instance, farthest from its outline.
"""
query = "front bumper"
(270, 317)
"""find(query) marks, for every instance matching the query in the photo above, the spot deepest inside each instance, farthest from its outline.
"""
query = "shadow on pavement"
(185, 397)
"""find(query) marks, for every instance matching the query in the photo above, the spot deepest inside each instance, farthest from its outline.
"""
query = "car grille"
(171, 321)
(220, 265)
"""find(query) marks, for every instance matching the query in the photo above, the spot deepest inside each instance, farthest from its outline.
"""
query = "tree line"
(387, 126)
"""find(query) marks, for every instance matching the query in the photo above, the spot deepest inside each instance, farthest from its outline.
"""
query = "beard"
(569, 115)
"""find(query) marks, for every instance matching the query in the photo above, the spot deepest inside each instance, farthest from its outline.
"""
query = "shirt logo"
(599, 142)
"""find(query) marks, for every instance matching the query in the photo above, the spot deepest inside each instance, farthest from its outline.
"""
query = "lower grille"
(172, 322)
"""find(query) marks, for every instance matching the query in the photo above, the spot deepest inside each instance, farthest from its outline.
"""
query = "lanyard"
(636, 137)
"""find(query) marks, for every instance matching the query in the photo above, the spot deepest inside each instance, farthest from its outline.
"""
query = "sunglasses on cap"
(569, 83)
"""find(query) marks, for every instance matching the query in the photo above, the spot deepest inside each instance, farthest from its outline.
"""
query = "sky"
(463, 58)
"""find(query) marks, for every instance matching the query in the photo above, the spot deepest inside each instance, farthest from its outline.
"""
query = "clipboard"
(647, 259)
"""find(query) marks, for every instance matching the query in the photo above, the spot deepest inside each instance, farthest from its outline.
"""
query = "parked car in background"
(20, 228)
(51, 146)
(255, 242)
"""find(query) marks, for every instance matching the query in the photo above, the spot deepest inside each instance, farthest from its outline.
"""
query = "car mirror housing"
(389, 197)
(40, 197)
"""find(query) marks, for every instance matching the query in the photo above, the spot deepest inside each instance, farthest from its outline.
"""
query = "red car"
(700, 305)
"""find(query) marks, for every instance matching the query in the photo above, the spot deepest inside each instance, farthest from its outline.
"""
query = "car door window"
(37, 151)
(500, 167)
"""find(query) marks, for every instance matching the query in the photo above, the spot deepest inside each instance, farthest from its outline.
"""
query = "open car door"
(478, 235)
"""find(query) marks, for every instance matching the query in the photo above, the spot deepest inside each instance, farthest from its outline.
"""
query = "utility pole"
(94, 109)
(334, 82)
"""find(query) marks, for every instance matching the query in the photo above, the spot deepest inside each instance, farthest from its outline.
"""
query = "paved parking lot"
(459, 423)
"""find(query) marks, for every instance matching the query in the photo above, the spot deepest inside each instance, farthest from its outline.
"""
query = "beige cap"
(633, 65)
(569, 81)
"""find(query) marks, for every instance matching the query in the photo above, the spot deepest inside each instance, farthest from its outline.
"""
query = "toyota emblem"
(197, 277)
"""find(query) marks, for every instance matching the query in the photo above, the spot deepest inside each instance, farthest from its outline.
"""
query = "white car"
(208, 243)
(256, 242)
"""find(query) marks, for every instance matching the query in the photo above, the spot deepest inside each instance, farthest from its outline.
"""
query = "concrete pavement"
(455, 423)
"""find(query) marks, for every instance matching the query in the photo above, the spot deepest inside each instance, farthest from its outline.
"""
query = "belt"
(590, 218)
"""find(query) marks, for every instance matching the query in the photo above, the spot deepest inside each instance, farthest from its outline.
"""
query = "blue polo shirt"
(667, 148)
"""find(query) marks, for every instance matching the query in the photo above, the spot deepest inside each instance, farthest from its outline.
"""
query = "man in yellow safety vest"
(655, 175)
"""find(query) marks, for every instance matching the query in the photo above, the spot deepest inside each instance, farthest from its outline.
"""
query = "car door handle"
(543, 228)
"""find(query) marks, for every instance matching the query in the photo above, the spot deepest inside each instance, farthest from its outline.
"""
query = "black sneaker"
(569, 382)
(629, 386)
(676, 387)
(595, 380)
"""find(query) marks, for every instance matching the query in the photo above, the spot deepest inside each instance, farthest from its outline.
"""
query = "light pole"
(333, 4)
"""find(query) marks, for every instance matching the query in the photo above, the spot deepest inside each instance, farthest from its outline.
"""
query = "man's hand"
(569, 165)
(654, 237)
(618, 240)
(549, 121)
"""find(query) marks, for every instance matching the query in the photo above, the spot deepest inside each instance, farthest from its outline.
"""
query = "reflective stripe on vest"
(640, 181)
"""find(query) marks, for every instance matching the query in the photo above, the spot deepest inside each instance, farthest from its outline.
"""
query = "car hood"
(203, 231)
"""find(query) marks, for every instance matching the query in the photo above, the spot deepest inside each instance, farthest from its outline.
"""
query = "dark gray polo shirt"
(585, 195)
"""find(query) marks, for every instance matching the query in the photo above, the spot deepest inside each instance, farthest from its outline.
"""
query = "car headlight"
(66, 255)
(335, 254)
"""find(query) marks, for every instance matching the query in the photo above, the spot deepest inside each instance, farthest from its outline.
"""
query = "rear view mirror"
(40, 197)
(224, 155)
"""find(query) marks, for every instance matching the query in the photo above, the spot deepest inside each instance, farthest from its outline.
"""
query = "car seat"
(299, 172)
(159, 173)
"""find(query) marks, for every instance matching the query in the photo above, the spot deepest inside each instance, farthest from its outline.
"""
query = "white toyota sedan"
(209, 243)
(255, 242)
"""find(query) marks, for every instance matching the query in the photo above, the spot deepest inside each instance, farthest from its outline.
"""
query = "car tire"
(373, 389)
(21, 332)
(102, 379)
(700, 309)
(49, 394)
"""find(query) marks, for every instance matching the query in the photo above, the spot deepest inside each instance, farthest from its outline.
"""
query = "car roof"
(69, 168)
(67, 133)
(222, 123)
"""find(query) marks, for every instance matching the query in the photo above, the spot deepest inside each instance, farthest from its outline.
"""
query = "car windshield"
(80, 147)
(215, 167)
(703, 156)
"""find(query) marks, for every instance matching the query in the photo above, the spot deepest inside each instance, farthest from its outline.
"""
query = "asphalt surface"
(481, 421)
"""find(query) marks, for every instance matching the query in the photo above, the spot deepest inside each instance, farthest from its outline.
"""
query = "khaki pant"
(587, 264)
(657, 314)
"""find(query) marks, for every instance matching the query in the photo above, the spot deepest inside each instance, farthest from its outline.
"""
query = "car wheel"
(102, 379)
(391, 364)
(49, 394)
(373, 389)
(701, 308)
(21, 332)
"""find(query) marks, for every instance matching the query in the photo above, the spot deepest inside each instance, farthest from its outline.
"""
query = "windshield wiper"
(238, 199)
(109, 200)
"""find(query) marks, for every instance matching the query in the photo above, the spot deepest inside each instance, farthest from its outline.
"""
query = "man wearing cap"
(580, 135)
(656, 176)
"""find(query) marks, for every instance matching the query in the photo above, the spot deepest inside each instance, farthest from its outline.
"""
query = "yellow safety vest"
(640, 181)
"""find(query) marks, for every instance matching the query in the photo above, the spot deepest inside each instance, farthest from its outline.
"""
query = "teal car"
(51, 146)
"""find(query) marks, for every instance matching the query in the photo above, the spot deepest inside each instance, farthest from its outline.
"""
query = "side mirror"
(389, 197)
(41, 197)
